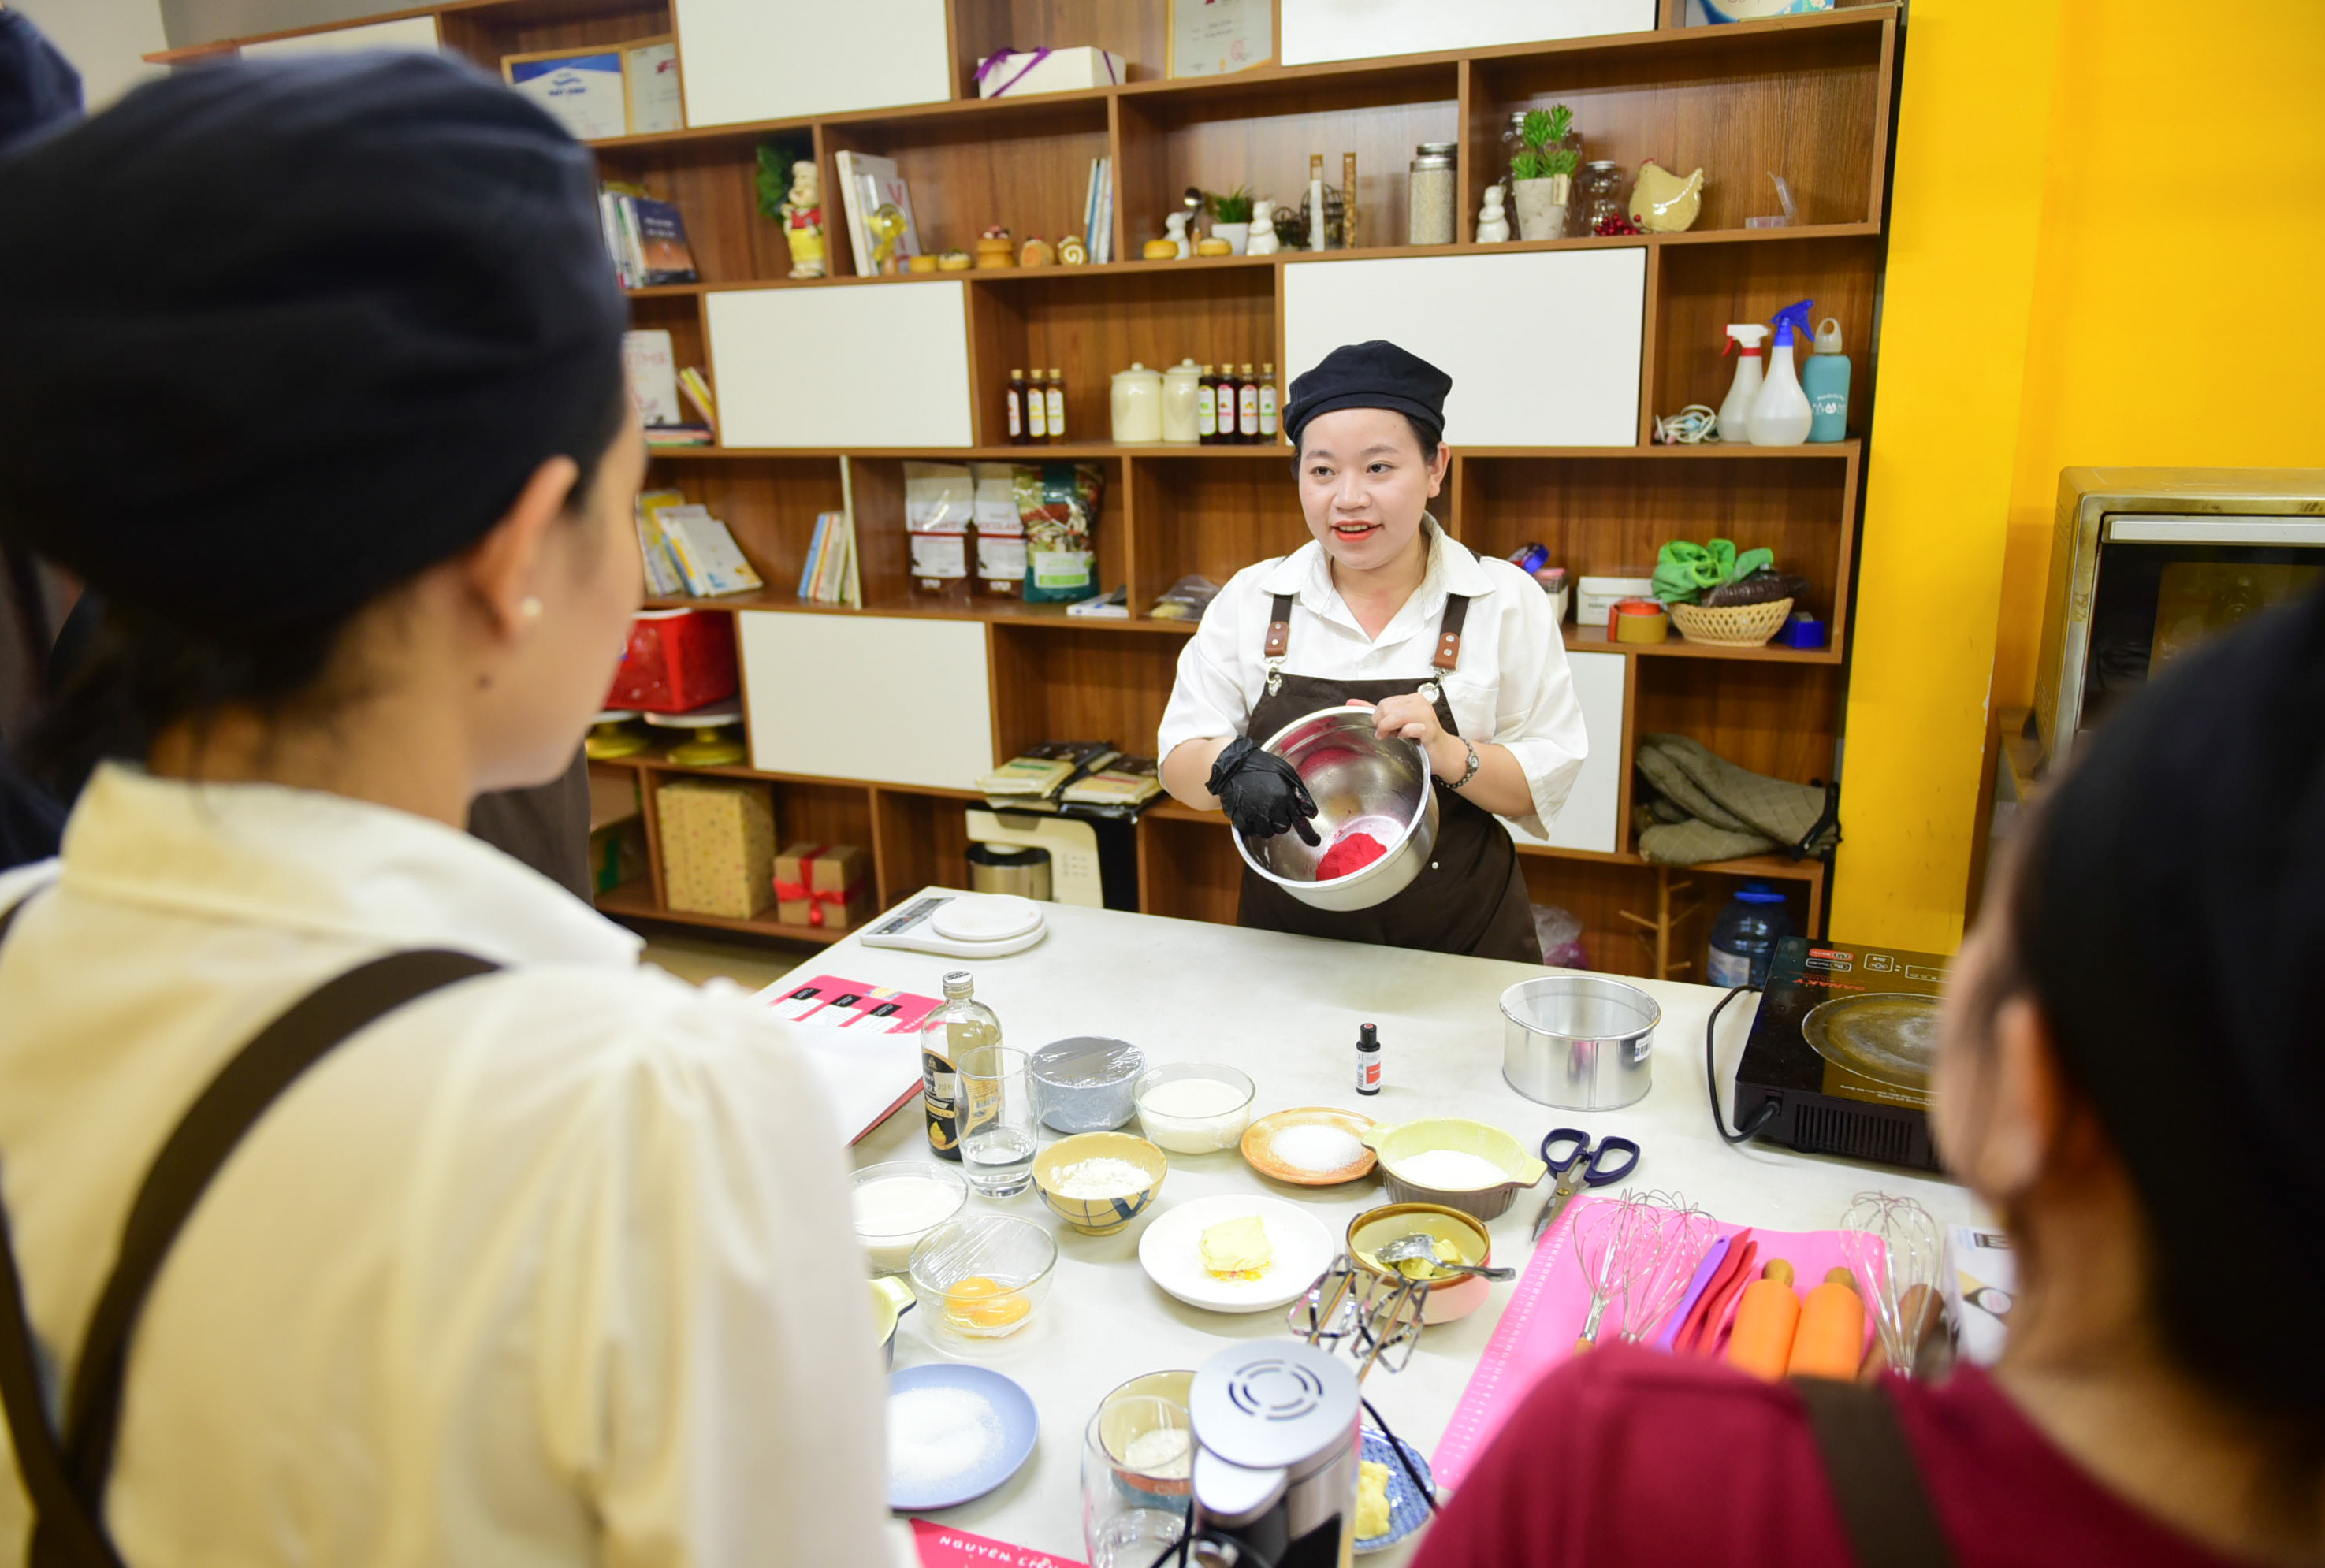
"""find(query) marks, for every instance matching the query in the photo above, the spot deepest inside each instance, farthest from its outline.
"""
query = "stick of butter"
(1238, 1248)
(1372, 1499)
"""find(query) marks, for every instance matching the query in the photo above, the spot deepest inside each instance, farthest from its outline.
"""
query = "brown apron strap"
(1279, 629)
(1448, 632)
(68, 1483)
(1884, 1509)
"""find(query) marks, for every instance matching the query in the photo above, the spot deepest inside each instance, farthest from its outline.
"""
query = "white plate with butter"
(1291, 1248)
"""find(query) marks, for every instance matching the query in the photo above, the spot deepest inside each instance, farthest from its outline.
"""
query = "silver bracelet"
(1474, 763)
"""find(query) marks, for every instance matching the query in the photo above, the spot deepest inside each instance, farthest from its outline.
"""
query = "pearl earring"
(530, 609)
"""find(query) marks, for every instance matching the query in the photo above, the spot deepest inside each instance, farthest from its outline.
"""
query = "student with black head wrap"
(2130, 1072)
(323, 394)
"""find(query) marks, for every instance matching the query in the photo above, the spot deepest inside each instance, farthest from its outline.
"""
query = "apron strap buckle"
(1448, 632)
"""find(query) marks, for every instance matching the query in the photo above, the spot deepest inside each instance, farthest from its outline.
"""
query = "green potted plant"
(1541, 175)
(1231, 216)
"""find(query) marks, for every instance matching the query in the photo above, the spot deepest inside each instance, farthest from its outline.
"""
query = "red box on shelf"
(677, 660)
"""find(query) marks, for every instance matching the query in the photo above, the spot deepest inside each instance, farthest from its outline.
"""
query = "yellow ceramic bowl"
(1409, 1139)
(892, 1298)
(1456, 1296)
(1106, 1215)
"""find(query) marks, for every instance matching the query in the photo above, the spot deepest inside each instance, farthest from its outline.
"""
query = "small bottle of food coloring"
(1368, 1060)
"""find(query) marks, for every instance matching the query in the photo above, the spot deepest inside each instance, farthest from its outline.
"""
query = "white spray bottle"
(1781, 414)
(1736, 413)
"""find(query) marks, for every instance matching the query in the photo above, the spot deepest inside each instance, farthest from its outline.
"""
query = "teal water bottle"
(1825, 378)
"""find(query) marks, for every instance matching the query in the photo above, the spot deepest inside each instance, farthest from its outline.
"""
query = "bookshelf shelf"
(1811, 97)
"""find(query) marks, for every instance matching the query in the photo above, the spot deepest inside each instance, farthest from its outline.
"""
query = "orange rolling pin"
(1766, 1317)
(1830, 1340)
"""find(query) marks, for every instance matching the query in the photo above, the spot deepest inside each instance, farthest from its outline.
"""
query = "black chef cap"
(2171, 918)
(1371, 376)
(278, 336)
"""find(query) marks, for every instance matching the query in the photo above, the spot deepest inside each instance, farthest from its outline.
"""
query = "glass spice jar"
(1430, 194)
(1598, 194)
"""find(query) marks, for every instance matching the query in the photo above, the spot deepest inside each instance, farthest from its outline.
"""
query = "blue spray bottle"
(1825, 379)
(1780, 409)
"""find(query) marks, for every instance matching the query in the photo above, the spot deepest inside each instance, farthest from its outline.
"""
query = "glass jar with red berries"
(1598, 194)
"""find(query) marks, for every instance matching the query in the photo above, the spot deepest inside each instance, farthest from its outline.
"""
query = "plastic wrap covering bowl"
(986, 1278)
(1100, 1214)
(1215, 1110)
(1085, 1084)
(1361, 783)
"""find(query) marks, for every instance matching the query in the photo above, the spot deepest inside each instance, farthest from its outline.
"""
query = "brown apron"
(1472, 896)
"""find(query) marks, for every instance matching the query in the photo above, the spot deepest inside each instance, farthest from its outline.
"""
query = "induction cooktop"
(1842, 1047)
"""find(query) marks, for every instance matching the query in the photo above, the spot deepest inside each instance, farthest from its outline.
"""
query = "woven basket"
(1731, 626)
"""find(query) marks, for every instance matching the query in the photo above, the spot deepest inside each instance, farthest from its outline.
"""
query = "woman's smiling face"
(1365, 483)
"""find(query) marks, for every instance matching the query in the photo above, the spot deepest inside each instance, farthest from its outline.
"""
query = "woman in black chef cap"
(1383, 607)
(361, 1196)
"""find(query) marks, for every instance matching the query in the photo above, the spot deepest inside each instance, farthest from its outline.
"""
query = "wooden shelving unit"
(1809, 97)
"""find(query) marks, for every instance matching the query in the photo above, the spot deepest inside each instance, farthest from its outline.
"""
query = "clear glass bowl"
(1203, 1134)
(889, 1249)
(984, 1277)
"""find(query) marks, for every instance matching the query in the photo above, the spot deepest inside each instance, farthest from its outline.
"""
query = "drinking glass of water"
(1137, 1468)
(997, 1119)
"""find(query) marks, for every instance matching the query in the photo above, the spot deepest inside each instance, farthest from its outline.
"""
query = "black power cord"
(1760, 1118)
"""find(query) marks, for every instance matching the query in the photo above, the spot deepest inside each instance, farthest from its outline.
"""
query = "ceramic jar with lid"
(1182, 385)
(1137, 405)
(1430, 195)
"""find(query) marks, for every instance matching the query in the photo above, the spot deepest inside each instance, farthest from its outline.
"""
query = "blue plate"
(1408, 1510)
(982, 1465)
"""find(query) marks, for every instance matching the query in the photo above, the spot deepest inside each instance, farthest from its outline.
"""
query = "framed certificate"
(583, 90)
(1219, 37)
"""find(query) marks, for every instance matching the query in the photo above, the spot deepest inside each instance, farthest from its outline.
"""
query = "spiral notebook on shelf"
(862, 1042)
(1545, 1317)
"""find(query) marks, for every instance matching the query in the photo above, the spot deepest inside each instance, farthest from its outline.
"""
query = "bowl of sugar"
(1451, 1160)
(900, 1202)
(1194, 1107)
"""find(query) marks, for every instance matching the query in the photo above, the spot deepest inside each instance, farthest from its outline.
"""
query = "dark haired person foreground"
(324, 395)
(2132, 1074)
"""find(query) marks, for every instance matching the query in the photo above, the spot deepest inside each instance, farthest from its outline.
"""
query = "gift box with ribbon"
(827, 885)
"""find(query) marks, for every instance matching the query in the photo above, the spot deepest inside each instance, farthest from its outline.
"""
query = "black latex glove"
(1261, 792)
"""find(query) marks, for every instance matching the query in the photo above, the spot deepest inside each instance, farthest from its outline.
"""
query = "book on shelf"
(814, 555)
(867, 183)
(706, 552)
(663, 253)
(1101, 243)
(663, 579)
(680, 436)
(1031, 780)
(652, 367)
(1121, 787)
(830, 575)
(696, 390)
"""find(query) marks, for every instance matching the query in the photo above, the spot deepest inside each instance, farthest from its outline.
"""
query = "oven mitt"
(1261, 792)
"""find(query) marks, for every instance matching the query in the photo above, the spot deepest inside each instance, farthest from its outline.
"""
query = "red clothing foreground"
(1628, 1458)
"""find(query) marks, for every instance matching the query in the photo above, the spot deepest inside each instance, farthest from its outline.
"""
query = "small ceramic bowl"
(892, 1298)
(889, 1251)
(984, 1277)
(1204, 1134)
(1087, 1083)
(1408, 1140)
(1454, 1298)
(1101, 1216)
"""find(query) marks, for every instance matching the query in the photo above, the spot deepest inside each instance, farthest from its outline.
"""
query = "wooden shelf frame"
(1812, 97)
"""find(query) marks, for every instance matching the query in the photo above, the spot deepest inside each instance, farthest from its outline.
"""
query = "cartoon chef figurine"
(803, 221)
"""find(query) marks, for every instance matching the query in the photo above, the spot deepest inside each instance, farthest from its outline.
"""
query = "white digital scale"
(961, 925)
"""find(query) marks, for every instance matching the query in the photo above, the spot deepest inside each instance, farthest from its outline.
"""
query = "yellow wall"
(2108, 247)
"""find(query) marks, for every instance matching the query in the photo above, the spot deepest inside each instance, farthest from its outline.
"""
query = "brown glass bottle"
(1207, 409)
(1037, 411)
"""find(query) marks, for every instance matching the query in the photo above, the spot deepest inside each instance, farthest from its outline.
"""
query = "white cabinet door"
(875, 364)
(780, 60)
(1543, 345)
(1590, 820)
(1321, 30)
(882, 697)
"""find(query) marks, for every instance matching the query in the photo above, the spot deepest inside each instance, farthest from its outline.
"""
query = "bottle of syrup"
(1231, 431)
(962, 1025)
(1269, 423)
(1207, 409)
(1016, 408)
(1037, 411)
(1057, 405)
(1247, 407)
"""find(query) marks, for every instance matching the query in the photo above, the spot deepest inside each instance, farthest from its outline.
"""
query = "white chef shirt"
(1512, 686)
(517, 1275)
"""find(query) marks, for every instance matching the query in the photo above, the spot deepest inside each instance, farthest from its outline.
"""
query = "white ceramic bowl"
(1204, 1134)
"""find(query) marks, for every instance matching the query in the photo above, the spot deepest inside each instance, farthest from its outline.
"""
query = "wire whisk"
(1897, 1252)
(1639, 1252)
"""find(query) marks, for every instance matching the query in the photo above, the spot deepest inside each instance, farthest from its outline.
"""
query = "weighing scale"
(1842, 1046)
(961, 925)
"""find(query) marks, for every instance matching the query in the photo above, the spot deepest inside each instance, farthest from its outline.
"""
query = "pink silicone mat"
(1544, 1317)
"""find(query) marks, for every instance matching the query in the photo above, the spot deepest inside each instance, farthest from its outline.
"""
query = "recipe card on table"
(862, 1041)
(1545, 1317)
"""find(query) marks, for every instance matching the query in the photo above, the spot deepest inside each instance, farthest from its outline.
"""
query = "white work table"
(1285, 1010)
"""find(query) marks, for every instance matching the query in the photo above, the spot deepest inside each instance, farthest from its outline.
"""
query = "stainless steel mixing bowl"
(1358, 781)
